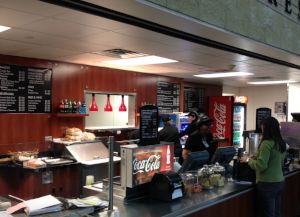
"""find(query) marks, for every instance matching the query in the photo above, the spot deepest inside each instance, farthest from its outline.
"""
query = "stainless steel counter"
(181, 207)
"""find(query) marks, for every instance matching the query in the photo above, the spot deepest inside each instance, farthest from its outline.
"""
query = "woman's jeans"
(269, 198)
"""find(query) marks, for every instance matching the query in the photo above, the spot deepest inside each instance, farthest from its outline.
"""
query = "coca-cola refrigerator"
(229, 116)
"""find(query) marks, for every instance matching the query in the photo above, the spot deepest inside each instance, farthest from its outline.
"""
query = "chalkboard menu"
(25, 89)
(148, 125)
(193, 99)
(168, 97)
(261, 114)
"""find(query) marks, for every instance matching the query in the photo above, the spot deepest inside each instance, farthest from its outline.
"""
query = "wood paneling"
(70, 81)
(27, 184)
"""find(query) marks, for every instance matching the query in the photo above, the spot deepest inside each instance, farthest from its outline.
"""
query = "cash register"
(168, 184)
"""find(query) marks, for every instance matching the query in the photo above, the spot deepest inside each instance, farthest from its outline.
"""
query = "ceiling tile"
(33, 7)
(62, 28)
(14, 18)
(9, 47)
(91, 20)
(31, 37)
(45, 52)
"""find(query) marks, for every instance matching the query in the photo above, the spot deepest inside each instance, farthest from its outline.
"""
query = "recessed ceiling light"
(138, 61)
(4, 28)
(224, 74)
(271, 82)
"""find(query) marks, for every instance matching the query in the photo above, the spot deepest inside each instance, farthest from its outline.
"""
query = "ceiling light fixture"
(4, 28)
(108, 107)
(138, 61)
(122, 107)
(271, 82)
(224, 74)
(93, 106)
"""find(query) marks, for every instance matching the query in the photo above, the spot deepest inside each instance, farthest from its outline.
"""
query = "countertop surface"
(186, 205)
(183, 206)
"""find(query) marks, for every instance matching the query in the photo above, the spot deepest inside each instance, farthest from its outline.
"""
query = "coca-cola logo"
(220, 120)
(147, 165)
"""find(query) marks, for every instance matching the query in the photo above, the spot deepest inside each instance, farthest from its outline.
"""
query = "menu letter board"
(168, 97)
(261, 114)
(25, 89)
(193, 99)
(148, 125)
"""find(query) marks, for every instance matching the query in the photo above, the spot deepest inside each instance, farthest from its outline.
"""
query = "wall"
(263, 96)
(255, 19)
(70, 81)
(293, 99)
(230, 91)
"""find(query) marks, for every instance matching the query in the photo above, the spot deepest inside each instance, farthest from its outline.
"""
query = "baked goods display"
(86, 136)
(75, 134)
(34, 163)
(5, 160)
(23, 155)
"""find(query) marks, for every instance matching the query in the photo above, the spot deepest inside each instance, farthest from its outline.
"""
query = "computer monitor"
(195, 161)
(172, 116)
(224, 155)
(183, 126)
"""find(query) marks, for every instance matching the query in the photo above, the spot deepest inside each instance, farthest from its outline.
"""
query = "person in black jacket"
(170, 134)
(192, 127)
(201, 139)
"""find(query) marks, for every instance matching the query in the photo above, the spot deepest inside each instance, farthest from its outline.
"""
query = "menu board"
(193, 99)
(148, 125)
(168, 97)
(25, 89)
(261, 114)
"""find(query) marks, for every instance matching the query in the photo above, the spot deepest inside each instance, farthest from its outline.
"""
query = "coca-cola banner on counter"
(140, 163)
(220, 110)
(148, 161)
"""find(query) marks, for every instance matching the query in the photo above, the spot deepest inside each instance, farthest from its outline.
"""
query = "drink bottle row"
(70, 106)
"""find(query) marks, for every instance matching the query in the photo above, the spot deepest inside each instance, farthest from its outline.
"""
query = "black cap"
(166, 119)
(193, 114)
(204, 120)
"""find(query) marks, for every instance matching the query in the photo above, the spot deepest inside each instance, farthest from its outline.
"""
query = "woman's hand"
(244, 159)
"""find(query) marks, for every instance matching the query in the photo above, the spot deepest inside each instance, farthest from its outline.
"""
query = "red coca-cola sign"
(148, 161)
(220, 110)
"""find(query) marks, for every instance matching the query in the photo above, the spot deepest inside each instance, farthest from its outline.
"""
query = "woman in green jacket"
(268, 167)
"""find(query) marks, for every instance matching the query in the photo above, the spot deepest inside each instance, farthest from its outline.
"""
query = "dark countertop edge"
(27, 169)
(209, 203)
(290, 173)
(220, 199)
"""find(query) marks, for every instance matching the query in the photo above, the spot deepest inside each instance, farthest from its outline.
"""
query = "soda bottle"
(61, 106)
(70, 106)
(83, 108)
(74, 107)
(78, 107)
(168, 161)
(66, 106)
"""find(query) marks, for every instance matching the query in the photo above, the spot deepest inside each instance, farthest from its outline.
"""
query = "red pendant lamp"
(93, 106)
(108, 107)
(122, 107)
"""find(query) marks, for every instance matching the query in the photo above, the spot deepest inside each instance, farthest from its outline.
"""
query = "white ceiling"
(41, 30)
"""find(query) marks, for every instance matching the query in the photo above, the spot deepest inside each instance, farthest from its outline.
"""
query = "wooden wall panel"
(70, 81)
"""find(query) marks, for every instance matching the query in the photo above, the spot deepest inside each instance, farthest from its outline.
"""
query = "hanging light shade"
(108, 107)
(93, 106)
(122, 107)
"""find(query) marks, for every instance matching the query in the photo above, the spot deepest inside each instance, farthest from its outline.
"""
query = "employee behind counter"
(170, 134)
(201, 139)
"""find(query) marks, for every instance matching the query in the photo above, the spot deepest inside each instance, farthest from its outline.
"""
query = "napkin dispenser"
(166, 186)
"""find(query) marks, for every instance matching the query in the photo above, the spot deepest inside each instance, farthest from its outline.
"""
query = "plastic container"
(218, 176)
(191, 182)
(204, 175)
